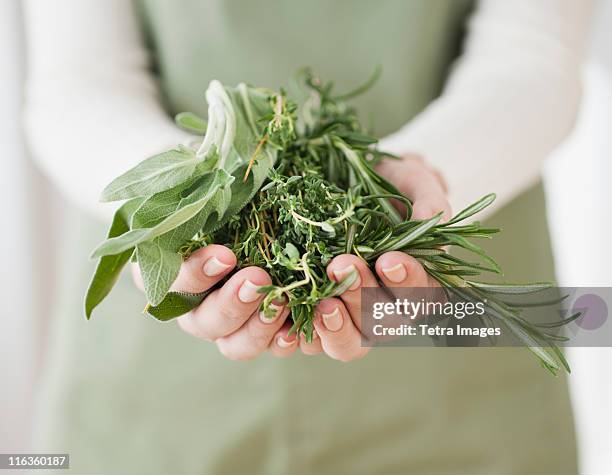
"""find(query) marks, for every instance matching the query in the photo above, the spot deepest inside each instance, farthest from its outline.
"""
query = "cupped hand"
(229, 316)
(338, 320)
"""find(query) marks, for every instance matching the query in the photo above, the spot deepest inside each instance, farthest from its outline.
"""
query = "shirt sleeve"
(510, 100)
(92, 106)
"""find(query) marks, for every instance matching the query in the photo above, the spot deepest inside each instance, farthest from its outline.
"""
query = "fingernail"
(315, 335)
(248, 292)
(396, 274)
(332, 321)
(213, 267)
(283, 343)
(277, 309)
(343, 273)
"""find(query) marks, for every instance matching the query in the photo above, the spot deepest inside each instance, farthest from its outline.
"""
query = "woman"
(124, 394)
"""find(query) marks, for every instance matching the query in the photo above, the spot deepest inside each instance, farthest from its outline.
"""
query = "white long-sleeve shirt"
(93, 109)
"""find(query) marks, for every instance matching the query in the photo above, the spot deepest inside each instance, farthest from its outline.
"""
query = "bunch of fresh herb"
(287, 190)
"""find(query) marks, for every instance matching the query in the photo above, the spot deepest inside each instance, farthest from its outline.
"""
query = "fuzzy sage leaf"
(191, 123)
(212, 197)
(109, 267)
(159, 268)
(153, 175)
(176, 304)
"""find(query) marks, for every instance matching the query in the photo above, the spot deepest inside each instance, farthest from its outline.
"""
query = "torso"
(135, 396)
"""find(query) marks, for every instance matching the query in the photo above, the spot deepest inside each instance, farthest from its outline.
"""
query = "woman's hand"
(230, 315)
(338, 320)
(418, 181)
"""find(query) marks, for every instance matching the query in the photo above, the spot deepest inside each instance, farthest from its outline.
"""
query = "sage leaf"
(153, 175)
(207, 218)
(119, 244)
(109, 267)
(248, 105)
(159, 268)
(185, 210)
(191, 123)
(242, 192)
(176, 304)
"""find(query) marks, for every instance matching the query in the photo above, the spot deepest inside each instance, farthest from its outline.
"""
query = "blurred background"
(578, 200)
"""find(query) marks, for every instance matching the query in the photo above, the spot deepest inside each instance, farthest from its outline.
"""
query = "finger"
(254, 337)
(283, 344)
(427, 205)
(312, 347)
(422, 184)
(340, 338)
(397, 269)
(427, 192)
(342, 266)
(406, 278)
(204, 268)
(228, 308)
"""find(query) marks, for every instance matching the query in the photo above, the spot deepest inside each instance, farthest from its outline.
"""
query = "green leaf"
(405, 239)
(121, 243)
(375, 184)
(529, 335)
(561, 323)
(471, 210)
(109, 267)
(357, 139)
(212, 194)
(159, 268)
(191, 123)
(246, 113)
(155, 174)
(328, 228)
(561, 358)
(345, 284)
(176, 304)
(512, 288)
(363, 87)
(470, 246)
(208, 217)
(242, 192)
(292, 252)
(164, 211)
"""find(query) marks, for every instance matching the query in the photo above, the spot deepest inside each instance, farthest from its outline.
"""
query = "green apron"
(125, 394)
